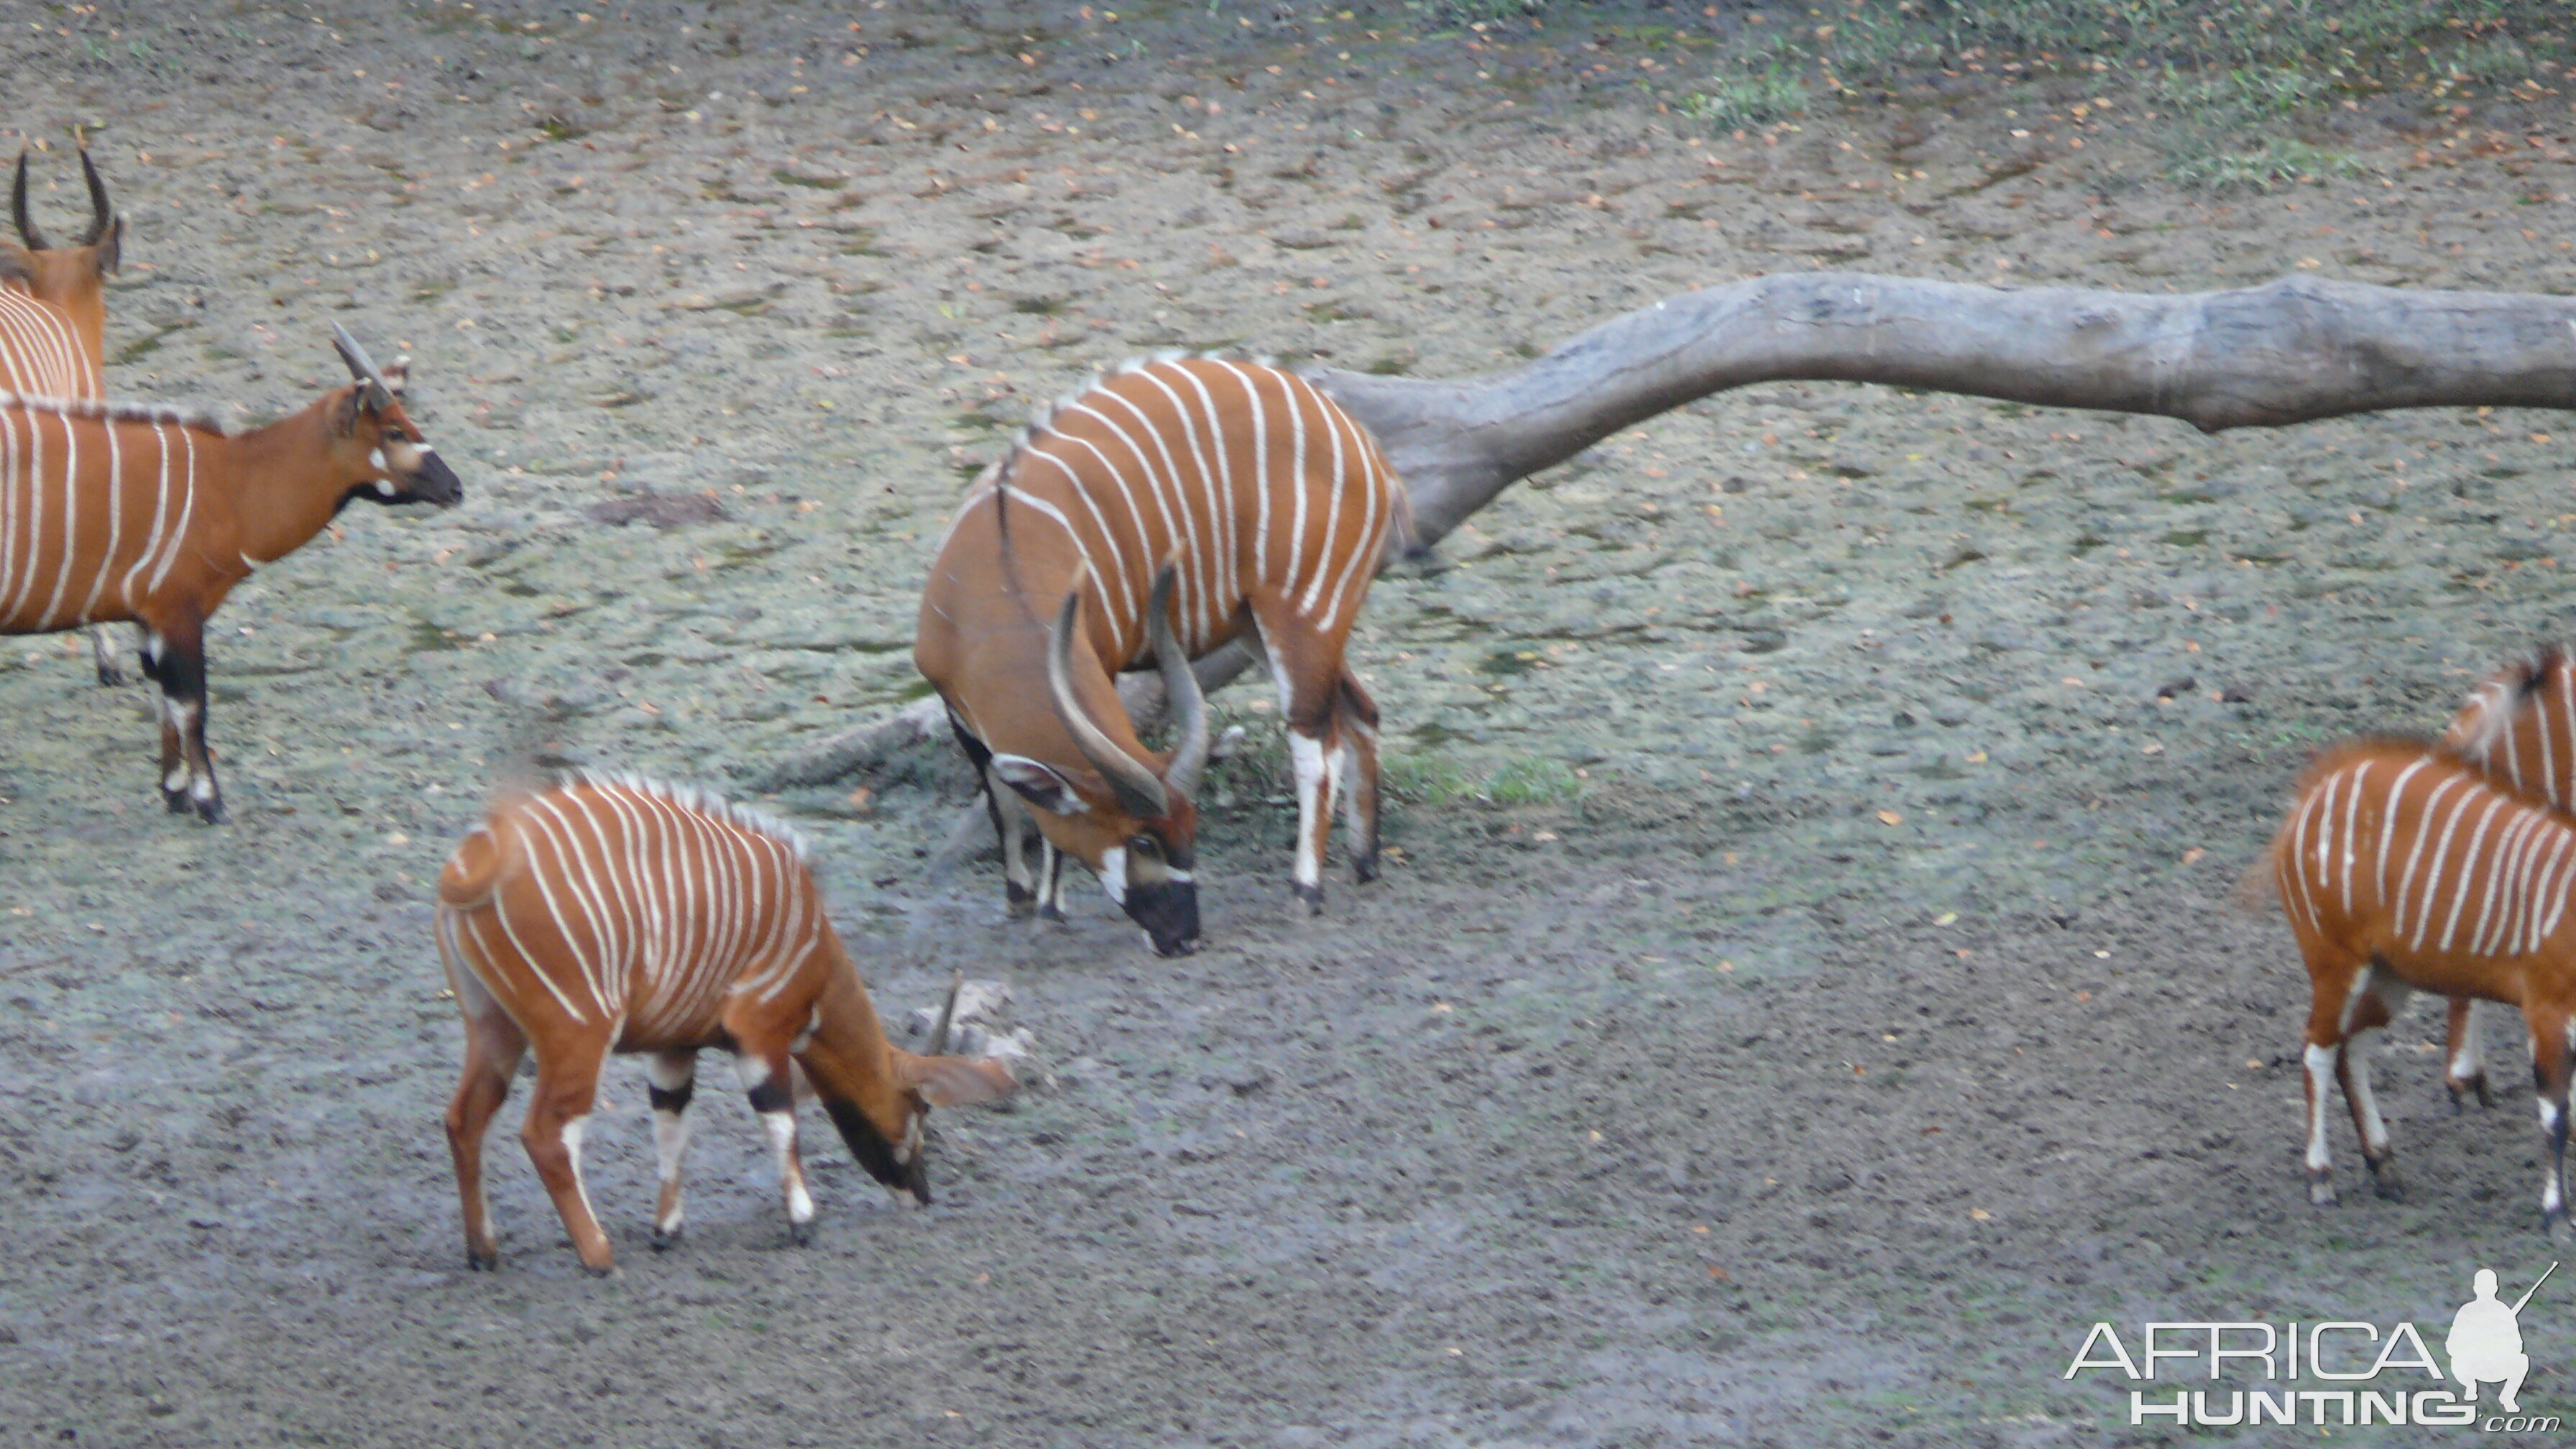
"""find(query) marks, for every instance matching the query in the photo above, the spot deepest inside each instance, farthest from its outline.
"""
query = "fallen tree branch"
(2290, 351)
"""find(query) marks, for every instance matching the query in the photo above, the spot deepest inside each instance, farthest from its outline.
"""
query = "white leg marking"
(2365, 1104)
(2552, 1200)
(2320, 1062)
(781, 1127)
(573, 1130)
(1314, 806)
(2469, 1062)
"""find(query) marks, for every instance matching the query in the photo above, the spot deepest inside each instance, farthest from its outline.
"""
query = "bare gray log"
(2290, 351)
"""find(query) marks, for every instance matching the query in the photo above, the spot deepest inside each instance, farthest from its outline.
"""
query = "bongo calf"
(613, 914)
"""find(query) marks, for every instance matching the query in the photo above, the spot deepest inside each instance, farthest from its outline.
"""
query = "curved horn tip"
(27, 232)
(361, 366)
(101, 215)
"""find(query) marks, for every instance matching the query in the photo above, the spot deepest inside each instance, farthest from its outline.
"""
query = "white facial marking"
(376, 459)
(1113, 873)
(385, 486)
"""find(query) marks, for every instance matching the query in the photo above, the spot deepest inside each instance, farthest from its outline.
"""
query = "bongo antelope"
(2518, 725)
(114, 511)
(612, 914)
(53, 320)
(53, 306)
(2404, 868)
(1165, 510)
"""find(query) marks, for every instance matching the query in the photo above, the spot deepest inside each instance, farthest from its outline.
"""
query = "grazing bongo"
(114, 511)
(53, 320)
(2401, 868)
(612, 914)
(2518, 725)
(1164, 511)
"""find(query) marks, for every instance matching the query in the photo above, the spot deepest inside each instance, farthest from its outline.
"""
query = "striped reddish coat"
(53, 320)
(118, 512)
(1269, 508)
(613, 914)
(2402, 867)
(53, 305)
(2518, 725)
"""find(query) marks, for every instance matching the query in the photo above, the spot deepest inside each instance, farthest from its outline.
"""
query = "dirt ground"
(1808, 995)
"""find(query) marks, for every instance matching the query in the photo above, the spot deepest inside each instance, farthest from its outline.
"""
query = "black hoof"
(211, 811)
(1312, 896)
(178, 802)
(111, 677)
(604, 1270)
(801, 1234)
(2385, 1182)
(663, 1242)
(1364, 869)
(1051, 912)
(483, 1262)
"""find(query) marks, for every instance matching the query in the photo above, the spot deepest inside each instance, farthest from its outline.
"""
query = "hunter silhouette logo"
(2486, 1340)
(2335, 1372)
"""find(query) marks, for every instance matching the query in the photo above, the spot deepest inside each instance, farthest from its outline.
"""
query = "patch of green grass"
(1532, 780)
(1426, 779)
(1480, 12)
(2272, 161)
(1734, 103)
(141, 347)
(1437, 779)
(2223, 75)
